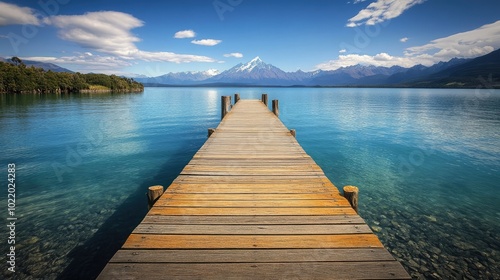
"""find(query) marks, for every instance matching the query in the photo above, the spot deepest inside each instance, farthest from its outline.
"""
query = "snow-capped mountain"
(254, 72)
(258, 73)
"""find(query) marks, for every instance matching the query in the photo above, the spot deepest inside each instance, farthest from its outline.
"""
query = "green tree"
(16, 60)
(17, 78)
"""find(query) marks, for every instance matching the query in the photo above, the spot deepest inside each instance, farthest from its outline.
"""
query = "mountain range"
(454, 73)
(470, 73)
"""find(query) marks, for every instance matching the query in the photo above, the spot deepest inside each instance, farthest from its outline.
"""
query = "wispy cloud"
(85, 60)
(107, 31)
(110, 33)
(185, 34)
(171, 57)
(235, 54)
(467, 44)
(404, 39)
(206, 42)
(11, 14)
(381, 59)
(343, 51)
(88, 62)
(470, 44)
(380, 11)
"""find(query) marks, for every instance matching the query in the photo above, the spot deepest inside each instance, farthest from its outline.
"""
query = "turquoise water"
(427, 162)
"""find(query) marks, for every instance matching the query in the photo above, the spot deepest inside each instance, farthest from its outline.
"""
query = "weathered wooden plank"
(235, 168)
(165, 241)
(313, 183)
(250, 161)
(251, 203)
(252, 255)
(284, 179)
(269, 172)
(255, 155)
(241, 137)
(278, 142)
(242, 190)
(237, 190)
(253, 146)
(252, 153)
(160, 210)
(253, 196)
(251, 229)
(243, 183)
(254, 220)
(242, 163)
(307, 270)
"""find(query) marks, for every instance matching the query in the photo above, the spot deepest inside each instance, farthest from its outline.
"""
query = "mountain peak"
(256, 59)
(249, 66)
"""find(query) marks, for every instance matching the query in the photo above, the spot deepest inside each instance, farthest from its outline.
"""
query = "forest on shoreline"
(17, 78)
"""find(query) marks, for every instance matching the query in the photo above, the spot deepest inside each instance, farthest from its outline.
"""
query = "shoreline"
(35, 91)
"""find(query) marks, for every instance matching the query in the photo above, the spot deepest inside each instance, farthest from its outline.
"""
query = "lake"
(426, 161)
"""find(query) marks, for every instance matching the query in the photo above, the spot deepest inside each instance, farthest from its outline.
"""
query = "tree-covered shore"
(17, 78)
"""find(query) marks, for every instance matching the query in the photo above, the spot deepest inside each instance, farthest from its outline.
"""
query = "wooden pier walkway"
(251, 204)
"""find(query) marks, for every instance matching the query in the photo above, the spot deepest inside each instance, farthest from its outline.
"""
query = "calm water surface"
(427, 162)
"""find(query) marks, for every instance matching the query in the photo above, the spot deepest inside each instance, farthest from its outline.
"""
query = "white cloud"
(404, 39)
(110, 33)
(89, 62)
(358, 1)
(236, 54)
(206, 42)
(469, 44)
(381, 59)
(171, 57)
(343, 51)
(85, 61)
(106, 31)
(184, 34)
(11, 14)
(90, 59)
(380, 11)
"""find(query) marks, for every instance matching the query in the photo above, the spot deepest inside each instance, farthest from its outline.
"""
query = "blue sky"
(152, 38)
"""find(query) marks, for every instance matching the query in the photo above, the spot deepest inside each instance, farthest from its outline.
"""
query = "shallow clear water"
(427, 162)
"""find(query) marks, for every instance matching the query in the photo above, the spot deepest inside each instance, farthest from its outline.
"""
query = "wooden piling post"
(292, 131)
(210, 131)
(351, 194)
(154, 192)
(264, 98)
(226, 105)
(236, 97)
(276, 109)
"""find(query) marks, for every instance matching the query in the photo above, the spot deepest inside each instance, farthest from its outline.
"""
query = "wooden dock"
(251, 204)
